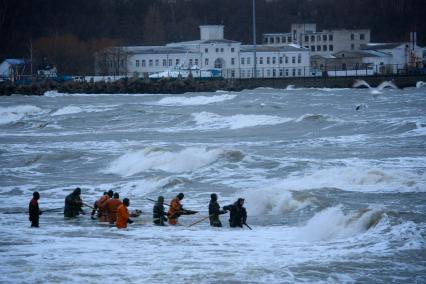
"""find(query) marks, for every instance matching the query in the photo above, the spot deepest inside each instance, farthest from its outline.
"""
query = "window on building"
(242, 60)
(299, 72)
(362, 36)
(289, 39)
(232, 61)
(164, 62)
(170, 62)
(278, 39)
(232, 49)
(217, 49)
(293, 59)
(324, 47)
(286, 60)
(233, 73)
(318, 47)
(352, 46)
(286, 72)
(281, 60)
(306, 38)
(143, 63)
(299, 58)
(248, 73)
(151, 62)
(196, 61)
(274, 73)
(177, 61)
(283, 39)
(272, 40)
(293, 72)
(330, 47)
(206, 62)
(265, 40)
(221, 49)
(190, 62)
(274, 60)
(206, 50)
(268, 60)
(268, 73)
(137, 63)
(318, 38)
(281, 72)
(157, 62)
(313, 38)
(330, 37)
(248, 60)
(352, 36)
(324, 37)
(312, 47)
(243, 73)
(260, 60)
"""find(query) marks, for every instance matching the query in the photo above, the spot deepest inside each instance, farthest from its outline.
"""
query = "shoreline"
(180, 86)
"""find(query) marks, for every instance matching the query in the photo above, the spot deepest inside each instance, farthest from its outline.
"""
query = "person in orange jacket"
(101, 205)
(123, 215)
(112, 206)
(175, 209)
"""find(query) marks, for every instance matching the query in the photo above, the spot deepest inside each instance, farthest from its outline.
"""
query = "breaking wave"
(188, 159)
(17, 113)
(317, 117)
(207, 120)
(420, 84)
(67, 110)
(383, 85)
(332, 223)
(198, 100)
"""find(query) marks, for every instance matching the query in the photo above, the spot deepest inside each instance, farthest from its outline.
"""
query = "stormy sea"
(334, 182)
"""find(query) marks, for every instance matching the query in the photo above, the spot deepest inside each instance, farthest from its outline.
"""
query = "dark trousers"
(34, 222)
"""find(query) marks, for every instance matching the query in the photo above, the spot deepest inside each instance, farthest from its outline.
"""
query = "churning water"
(334, 181)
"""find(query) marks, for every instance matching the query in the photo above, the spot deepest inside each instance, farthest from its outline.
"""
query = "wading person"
(111, 208)
(158, 214)
(175, 209)
(34, 210)
(237, 213)
(101, 205)
(214, 211)
(123, 215)
(73, 204)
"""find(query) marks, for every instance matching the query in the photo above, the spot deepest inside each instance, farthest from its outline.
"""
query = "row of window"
(278, 39)
(165, 62)
(115, 63)
(318, 38)
(218, 49)
(361, 36)
(321, 48)
(272, 73)
(268, 60)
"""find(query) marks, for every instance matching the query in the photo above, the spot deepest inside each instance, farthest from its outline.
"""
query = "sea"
(334, 182)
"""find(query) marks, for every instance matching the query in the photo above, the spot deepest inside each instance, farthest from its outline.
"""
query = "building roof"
(378, 46)
(12, 61)
(359, 54)
(196, 42)
(156, 50)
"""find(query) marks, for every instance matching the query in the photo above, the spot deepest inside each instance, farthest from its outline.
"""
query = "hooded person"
(111, 207)
(214, 211)
(123, 215)
(175, 209)
(73, 204)
(158, 214)
(34, 210)
(237, 213)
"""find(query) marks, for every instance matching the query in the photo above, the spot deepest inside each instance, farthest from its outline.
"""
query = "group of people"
(109, 208)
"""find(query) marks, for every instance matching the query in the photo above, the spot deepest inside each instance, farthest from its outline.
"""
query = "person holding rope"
(73, 204)
(237, 214)
(214, 211)
(158, 214)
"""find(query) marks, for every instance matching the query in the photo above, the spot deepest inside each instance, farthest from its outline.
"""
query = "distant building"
(211, 51)
(11, 69)
(320, 43)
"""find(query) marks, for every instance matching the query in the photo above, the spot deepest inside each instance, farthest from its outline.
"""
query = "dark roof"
(271, 48)
(156, 50)
(361, 53)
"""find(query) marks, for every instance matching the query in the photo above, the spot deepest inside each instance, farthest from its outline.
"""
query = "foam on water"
(187, 159)
(16, 113)
(207, 120)
(197, 100)
(420, 84)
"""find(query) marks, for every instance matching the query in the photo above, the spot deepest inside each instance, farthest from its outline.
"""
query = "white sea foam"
(67, 110)
(420, 84)
(317, 117)
(207, 120)
(17, 113)
(147, 159)
(76, 109)
(332, 223)
(198, 100)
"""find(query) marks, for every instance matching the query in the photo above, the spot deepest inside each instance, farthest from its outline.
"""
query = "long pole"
(254, 40)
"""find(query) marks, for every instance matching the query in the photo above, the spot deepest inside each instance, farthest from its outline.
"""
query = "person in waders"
(214, 211)
(34, 210)
(158, 214)
(237, 213)
(123, 215)
(73, 204)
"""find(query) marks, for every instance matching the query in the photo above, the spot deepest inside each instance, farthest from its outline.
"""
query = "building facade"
(212, 51)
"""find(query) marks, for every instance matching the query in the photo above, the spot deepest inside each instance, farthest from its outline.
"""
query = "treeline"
(68, 33)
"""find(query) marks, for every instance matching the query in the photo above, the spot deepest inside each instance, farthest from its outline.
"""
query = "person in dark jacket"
(214, 211)
(34, 210)
(158, 214)
(238, 214)
(73, 204)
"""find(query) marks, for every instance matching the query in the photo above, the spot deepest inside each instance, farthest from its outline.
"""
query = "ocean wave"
(420, 84)
(76, 109)
(67, 110)
(207, 120)
(198, 100)
(317, 117)
(17, 113)
(333, 223)
(188, 159)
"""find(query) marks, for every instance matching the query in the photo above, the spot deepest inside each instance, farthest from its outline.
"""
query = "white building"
(320, 43)
(212, 51)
